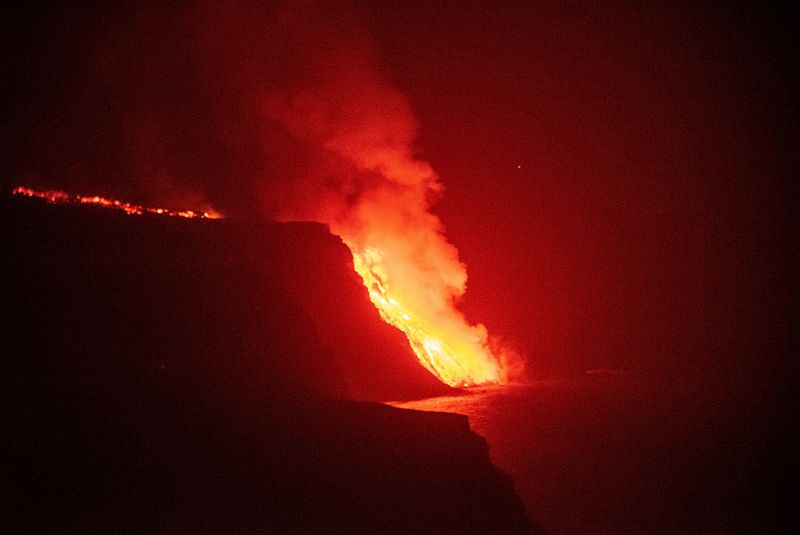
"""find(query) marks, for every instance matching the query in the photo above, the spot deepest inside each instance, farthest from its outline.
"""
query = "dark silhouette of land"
(169, 376)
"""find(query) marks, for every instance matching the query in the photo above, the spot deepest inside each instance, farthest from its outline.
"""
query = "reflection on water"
(480, 403)
(614, 453)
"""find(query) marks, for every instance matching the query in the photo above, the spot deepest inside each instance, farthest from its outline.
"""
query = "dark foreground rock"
(213, 288)
(162, 376)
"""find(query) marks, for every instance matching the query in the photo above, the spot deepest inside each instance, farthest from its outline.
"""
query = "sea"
(612, 452)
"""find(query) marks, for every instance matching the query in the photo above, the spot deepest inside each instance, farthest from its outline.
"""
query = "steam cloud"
(364, 130)
(367, 184)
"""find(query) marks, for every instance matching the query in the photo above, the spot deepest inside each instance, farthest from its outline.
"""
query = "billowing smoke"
(373, 192)
(367, 184)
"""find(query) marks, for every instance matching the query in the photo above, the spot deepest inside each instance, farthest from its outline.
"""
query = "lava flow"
(445, 344)
(60, 197)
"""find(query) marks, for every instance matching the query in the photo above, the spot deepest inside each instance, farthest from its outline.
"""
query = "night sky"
(617, 177)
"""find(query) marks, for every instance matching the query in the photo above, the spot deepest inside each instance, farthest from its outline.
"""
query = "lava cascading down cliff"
(372, 191)
(413, 276)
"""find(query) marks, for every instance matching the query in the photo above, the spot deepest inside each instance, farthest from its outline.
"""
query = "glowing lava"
(60, 197)
(452, 350)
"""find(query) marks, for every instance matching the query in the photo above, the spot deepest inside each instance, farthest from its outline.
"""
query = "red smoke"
(363, 133)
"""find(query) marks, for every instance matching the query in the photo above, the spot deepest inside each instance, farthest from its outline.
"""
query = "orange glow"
(60, 197)
(445, 344)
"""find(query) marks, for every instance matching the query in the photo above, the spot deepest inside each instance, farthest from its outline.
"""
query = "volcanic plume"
(372, 191)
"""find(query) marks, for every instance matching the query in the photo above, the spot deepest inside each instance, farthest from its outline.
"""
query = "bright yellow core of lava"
(444, 343)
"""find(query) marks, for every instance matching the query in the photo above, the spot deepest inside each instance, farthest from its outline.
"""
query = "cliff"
(168, 375)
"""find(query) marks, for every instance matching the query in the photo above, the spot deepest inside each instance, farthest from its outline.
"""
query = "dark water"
(615, 453)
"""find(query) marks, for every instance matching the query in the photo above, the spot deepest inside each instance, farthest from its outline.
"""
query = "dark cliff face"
(146, 286)
(316, 269)
(156, 298)
(164, 375)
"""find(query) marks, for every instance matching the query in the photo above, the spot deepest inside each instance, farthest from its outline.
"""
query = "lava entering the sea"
(445, 344)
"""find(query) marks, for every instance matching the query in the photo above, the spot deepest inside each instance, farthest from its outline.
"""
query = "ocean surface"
(609, 452)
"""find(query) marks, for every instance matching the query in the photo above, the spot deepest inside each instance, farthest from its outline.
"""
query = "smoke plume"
(372, 191)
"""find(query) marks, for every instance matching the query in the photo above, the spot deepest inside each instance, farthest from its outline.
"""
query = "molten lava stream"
(453, 351)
